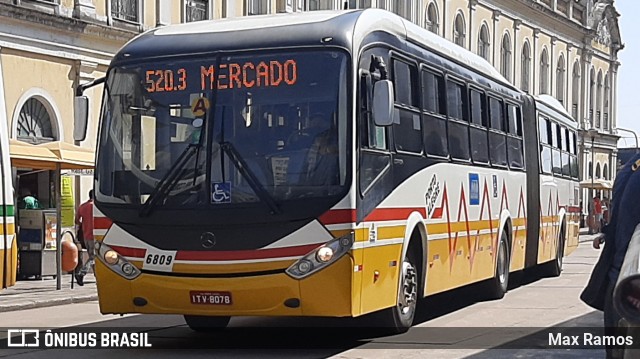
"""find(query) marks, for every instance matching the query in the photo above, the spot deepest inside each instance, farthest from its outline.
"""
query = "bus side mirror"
(382, 107)
(80, 117)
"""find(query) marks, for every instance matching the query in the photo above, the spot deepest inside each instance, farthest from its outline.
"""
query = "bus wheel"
(200, 323)
(399, 318)
(554, 268)
(500, 282)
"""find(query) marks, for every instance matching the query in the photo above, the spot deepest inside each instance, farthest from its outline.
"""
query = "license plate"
(210, 298)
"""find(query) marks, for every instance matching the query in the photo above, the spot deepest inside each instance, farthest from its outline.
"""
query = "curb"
(27, 304)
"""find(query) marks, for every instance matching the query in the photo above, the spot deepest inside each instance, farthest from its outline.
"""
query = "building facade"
(564, 48)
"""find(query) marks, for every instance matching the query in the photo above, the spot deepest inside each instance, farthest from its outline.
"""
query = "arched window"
(483, 42)
(607, 94)
(458, 30)
(605, 172)
(598, 171)
(525, 67)
(505, 57)
(34, 123)
(560, 74)
(544, 72)
(590, 174)
(592, 96)
(432, 19)
(598, 105)
(575, 90)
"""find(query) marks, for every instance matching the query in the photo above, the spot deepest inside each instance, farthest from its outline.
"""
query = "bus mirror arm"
(81, 110)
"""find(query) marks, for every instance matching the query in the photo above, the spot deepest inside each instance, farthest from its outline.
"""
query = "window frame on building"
(127, 18)
(484, 42)
(525, 67)
(459, 31)
(505, 56)
(207, 13)
(560, 77)
(431, 18)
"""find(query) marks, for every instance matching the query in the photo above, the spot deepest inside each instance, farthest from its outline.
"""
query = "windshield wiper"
(166, 184)
(253, 182)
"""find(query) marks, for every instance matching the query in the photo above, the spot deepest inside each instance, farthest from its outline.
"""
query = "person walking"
(625, 216)
(84, 224)
(597, 214)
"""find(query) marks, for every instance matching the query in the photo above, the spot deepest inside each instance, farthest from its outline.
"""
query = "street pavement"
(28, 294)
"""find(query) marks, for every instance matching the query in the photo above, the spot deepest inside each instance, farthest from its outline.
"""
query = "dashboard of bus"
(257, 128)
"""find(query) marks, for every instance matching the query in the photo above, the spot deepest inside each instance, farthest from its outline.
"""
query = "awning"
(49, 155)
(598, 184)
(27, 155)
(70, 156)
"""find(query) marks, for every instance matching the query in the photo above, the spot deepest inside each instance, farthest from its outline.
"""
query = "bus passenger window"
(514, 121)
(456, 101)
(432, 92)
(408, 133)
(545, 159)
(458, 124)
(477, 130)
(497, 139)
(542, 126)
(495, 112)
(477, 108)
(404, 84)
(433, 108)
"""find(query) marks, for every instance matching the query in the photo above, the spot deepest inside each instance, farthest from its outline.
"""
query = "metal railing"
(626, 295)
(196, 10)
(125, 10)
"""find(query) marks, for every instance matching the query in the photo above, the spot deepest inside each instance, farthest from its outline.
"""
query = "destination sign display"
(206, 77)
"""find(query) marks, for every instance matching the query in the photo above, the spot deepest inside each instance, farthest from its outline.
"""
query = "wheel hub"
(409, 288)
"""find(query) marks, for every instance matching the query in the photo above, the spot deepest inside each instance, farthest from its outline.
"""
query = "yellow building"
(566, 48)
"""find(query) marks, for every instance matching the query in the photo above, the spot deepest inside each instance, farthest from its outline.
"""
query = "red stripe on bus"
(129, 252)
(572, 209)
(394, 214)
(338, 216)
(102, 223)
(248, 254)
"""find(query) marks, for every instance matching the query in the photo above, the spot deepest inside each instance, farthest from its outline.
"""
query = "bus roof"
(550, 105)
(347, 27)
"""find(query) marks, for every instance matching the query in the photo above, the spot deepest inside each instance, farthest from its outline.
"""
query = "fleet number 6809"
(159, 259)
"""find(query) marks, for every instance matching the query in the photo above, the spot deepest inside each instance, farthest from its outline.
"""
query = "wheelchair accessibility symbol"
(221, 192)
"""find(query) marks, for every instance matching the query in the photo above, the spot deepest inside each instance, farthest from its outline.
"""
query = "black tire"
(200, 323)
(399, 318)
(554, 268)
(499, 284)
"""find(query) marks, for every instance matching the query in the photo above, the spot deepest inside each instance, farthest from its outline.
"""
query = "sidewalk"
(28, 294)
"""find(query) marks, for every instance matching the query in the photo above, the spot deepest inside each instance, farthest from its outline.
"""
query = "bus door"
(375, 183)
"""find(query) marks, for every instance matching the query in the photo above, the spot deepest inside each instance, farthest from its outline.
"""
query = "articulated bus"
(320, 164)
(8, 245)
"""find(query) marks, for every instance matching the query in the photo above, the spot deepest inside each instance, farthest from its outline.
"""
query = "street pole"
(634, 135)
(592, 133)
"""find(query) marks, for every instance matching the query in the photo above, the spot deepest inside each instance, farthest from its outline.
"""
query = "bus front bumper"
(325, 293)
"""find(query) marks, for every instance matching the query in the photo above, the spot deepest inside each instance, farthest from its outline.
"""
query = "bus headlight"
(321, 257)
(111, 257)
(324, 254)
(116, 262)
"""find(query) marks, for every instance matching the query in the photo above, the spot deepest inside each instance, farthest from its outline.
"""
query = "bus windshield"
(264, 127)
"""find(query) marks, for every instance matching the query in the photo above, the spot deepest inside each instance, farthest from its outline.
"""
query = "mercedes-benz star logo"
(208, 240)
